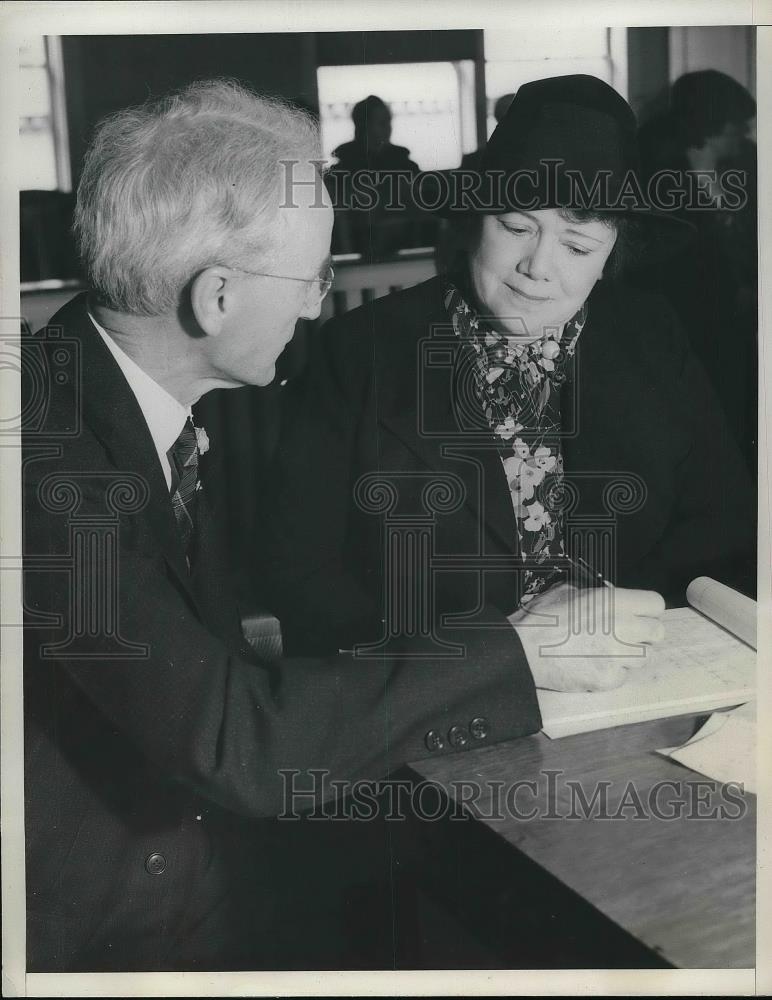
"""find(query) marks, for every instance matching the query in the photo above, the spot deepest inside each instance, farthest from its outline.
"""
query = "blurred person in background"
(713, 286)
(375, 216)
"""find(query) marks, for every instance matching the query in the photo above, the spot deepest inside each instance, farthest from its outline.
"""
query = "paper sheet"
(699, 667)
(723, 749)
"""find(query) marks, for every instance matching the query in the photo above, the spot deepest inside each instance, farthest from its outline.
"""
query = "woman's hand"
(586, 640)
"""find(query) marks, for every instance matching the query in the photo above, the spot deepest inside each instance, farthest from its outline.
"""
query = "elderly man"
(155, 739)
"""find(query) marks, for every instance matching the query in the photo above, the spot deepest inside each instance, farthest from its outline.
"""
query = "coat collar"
(111, 411)
(427, 407)
(423, 404)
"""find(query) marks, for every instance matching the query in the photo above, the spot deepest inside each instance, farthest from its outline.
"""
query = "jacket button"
(458, 736)
(479, 728)
(434, 740)
(155, 864)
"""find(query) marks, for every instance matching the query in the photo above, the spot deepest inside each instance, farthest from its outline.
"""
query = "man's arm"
(228, 727)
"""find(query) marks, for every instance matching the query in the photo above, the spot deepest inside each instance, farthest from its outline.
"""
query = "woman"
(452, 444)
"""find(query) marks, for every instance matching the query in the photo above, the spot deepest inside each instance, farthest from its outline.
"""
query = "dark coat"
(356, 155)
(154, 749)
(639, 413)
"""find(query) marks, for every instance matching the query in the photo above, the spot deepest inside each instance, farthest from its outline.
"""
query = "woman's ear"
(208, 299)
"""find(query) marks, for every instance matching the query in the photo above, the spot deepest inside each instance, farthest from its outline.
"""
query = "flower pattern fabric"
(517, 381)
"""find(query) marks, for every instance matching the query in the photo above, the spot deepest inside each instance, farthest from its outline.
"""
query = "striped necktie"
(183, 459)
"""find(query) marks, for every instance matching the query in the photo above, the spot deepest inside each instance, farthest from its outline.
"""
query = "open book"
(707, 661)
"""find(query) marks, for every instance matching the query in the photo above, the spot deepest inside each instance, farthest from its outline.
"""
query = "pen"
(589, 575)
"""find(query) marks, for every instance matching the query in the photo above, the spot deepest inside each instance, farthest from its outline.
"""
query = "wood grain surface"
(684, 887)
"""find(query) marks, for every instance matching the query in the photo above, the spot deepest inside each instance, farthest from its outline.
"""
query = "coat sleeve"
(209, 718)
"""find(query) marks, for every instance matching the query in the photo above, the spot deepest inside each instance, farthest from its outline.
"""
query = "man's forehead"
(305, 231)
(302, 185)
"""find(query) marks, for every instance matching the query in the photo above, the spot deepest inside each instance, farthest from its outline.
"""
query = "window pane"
(32, 52)
(37, 165)
(37, 162)
(34, 92)
(424, 101)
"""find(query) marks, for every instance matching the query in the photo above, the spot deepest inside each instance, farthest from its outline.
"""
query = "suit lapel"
(112, 412)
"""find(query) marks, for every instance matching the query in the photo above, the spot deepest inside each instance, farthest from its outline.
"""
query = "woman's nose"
(536, 263)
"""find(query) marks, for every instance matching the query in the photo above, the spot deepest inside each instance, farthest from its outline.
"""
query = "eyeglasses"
(324, 280)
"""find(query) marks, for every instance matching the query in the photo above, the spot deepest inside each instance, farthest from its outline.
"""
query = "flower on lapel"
(202, 440)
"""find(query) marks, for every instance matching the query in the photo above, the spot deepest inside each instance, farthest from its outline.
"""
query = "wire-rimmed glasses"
(323, 281)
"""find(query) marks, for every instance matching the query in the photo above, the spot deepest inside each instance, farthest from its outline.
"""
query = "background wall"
(658, 56)
(106, 72)
(730, 49)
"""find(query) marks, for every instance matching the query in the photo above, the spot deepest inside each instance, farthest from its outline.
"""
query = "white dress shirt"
(165, 416)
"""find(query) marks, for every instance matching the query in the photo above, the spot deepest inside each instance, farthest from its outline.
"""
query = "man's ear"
(208, 299)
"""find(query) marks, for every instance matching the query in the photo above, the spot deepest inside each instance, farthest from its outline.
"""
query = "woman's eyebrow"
(527, 215)
(576, 232)
(584, 235)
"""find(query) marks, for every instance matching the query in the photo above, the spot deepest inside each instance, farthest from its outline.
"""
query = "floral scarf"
(518, 386)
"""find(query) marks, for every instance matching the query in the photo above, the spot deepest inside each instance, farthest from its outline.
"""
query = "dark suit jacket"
(154, 739)
(385, 393)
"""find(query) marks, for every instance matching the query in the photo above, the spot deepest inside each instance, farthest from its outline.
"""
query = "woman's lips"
(524, 295)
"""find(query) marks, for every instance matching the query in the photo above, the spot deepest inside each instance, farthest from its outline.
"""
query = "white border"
(16, 18)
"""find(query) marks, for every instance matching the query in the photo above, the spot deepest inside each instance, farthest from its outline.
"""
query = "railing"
(355, 282)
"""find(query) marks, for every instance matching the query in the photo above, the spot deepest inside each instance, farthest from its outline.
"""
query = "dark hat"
(565, 142)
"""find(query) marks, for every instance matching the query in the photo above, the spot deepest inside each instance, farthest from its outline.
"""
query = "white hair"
(175, 185)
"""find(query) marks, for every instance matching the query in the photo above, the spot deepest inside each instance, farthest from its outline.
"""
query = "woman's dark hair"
(630, 242)
(632, 235)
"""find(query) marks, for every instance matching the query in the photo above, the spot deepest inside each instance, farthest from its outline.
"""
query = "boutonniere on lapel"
(202, 440)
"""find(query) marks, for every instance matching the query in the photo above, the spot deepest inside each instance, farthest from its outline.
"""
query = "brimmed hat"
(565, 142)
